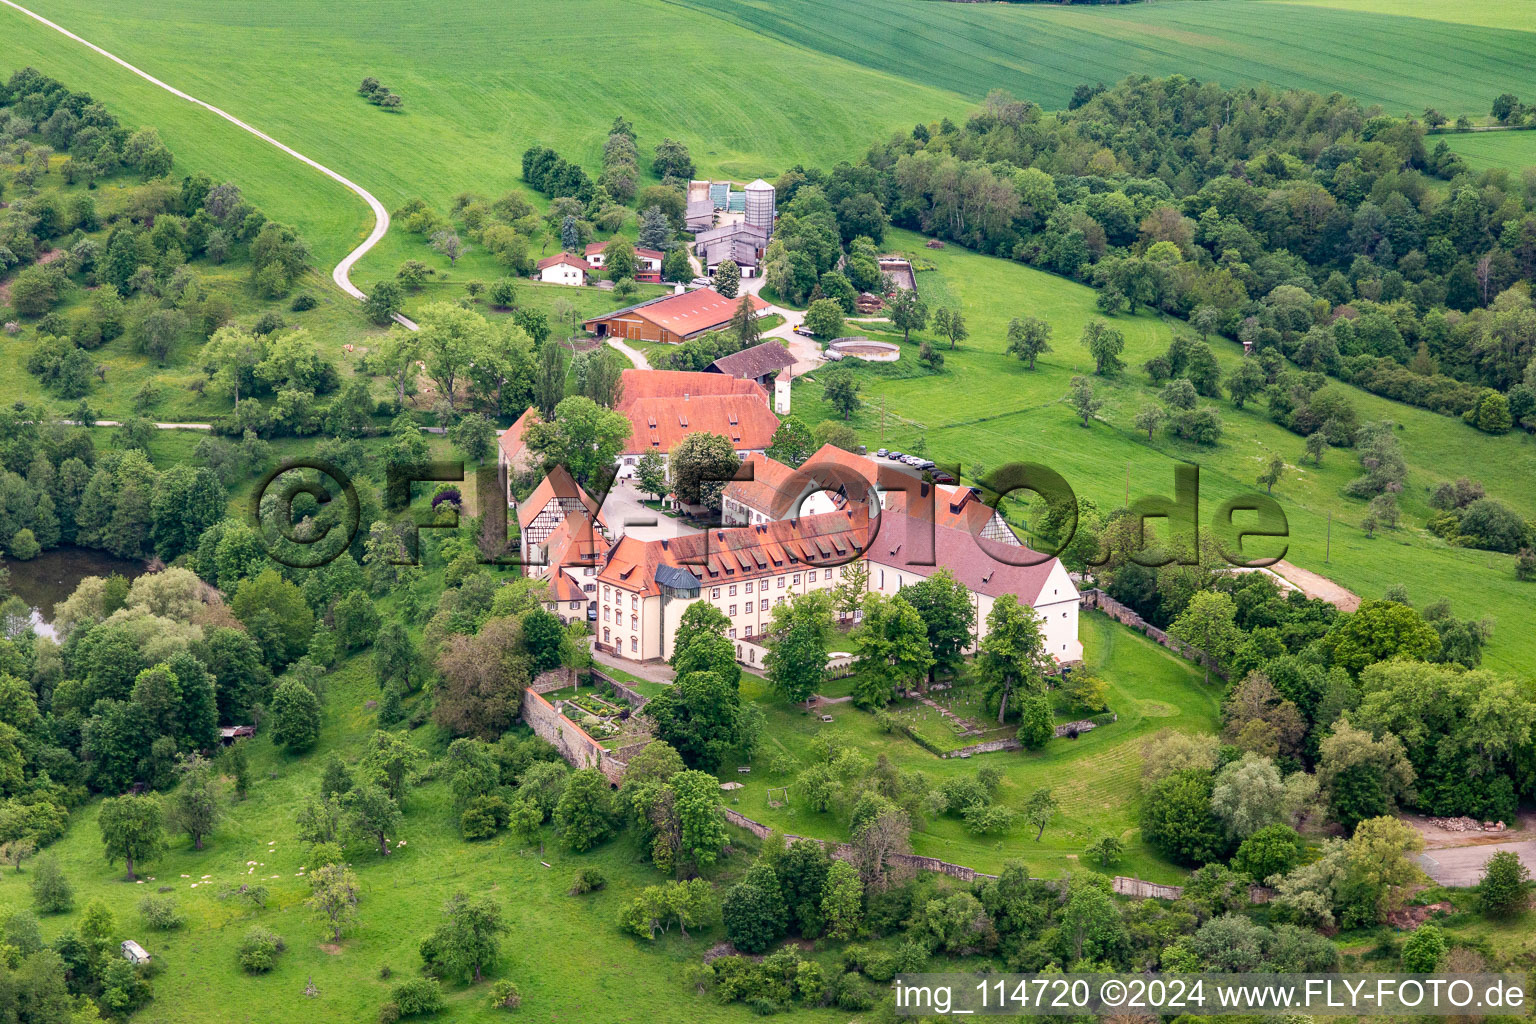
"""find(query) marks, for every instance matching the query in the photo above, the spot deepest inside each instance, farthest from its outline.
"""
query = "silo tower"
(760, 205)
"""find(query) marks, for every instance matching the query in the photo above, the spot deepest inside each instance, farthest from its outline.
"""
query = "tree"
(791, 443)
(908, 313)
(549, 380)
(195, 808)
(1028, 339)
(1317, 446)
(796, 662)
(1105, 344)
(698, 716)
(1424, 950)
(373, 813)
(672, 160)
(824, 318)
(1208, 624)
(51, 891)
(131, 830)
(1272, 850)
(469, 940)
(842, 901)
(1150, 418)
(275, 615)
(946, 610)
(838, 435)
(893, 649)
(745, 328)
(333, 898)
(655, 230)
(697, 803)
(728, 278)
(1107, 851)
(1245, 381)
(953, 327)
(1271, 474)
(583, 437)
(753, 910)
(1176, 819)
(474, 436)
(1084, 402)
(584, 816)
(1248, 795)
(1010, 655)
(449, 336)
(1503, 891)
(841, 391)
(295, 716)
(852, 585)
(651, 473)
(450, 245)
(700, 465)
(1037, 723)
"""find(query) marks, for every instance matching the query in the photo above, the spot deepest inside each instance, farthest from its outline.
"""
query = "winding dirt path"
(342, 272)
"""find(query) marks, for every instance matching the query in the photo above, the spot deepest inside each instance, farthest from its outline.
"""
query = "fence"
(1127, 616)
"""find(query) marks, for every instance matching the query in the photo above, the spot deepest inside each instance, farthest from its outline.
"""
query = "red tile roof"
(685, 315)
(739, 553)
(511, 439)
(679, 383)
(765, 491)
(563, 257)
(594, 248)
(659, 423)
(984, 567)
(557, 483)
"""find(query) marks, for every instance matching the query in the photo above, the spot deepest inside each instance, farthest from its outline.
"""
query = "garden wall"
(624, 693)
(579, 749)
(1126, 616)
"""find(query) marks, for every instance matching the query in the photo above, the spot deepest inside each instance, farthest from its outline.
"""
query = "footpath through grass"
(1095, 778)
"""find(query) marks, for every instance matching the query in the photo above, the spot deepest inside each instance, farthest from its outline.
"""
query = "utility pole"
(1328, 545)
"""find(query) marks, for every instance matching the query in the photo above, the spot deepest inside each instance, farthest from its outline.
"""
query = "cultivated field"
(1513, 151)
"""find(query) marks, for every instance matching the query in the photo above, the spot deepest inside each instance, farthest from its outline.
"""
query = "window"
(749, 586)
(731, 590)
(731, 633)
(826, 574)
(634, 644)
(605, 613)
(781, 585)
(605, 635)
(778, 600)
(763, 605)
(714, 593)
(797, 579)
(634, 622)
(842, 571)
(634, 600)
(733, 611)
(749, 629)
(575, 604)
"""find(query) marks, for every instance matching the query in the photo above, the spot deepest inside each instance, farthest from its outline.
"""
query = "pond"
(52, 576)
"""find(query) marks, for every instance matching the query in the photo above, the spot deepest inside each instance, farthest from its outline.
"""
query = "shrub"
(160, 913)
(51, 891)
(505, 996)
(416, 998)
(1504, 889)
(587, 880)
(258, 951)
(303, 301)
(322, 854)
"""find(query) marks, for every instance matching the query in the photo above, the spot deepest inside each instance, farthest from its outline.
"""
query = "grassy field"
(566, 953)
(985, 407)
(484, 81)
(1094, 778)
(1513, 151)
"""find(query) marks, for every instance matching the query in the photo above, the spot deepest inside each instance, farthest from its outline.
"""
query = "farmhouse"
(760, 363)
(556, 497)
(742, 242)
(512, 453)
(647, 261)
(563, 268)
(671, 318)
(644, 586)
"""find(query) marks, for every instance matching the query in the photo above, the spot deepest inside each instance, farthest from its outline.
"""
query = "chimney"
(685, 396)
(663, 543)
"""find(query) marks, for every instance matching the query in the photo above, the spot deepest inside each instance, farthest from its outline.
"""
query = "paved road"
(341, 274)
(624, 511)
(1462, 866)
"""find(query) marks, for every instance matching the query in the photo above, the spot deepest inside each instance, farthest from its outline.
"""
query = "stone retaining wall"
(570, 739)
(1126, 616)
(628, 696)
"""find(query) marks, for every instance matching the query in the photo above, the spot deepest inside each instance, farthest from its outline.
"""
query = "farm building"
(134, 953)
(647, 261)
(671, 318)
(556, 497)
(665, 406)
(760, 363)
(563, 268)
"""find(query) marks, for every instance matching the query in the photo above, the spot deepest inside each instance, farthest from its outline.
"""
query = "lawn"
(1513, 151)
(1095, 778)
(566, 953)
(985, 407)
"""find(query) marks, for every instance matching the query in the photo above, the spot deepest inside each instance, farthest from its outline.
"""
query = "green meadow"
(1095, 778)
(985, 407)
(1512, 151)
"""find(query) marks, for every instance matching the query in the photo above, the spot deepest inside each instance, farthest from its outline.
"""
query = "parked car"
(941, 477)
(894, 454)
(880, 452)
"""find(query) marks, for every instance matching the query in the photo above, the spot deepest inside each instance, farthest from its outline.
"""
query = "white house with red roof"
(647, 261)
(562, 268)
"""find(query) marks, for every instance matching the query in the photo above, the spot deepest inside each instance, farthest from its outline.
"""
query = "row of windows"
(826, 574)
(634, 642)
